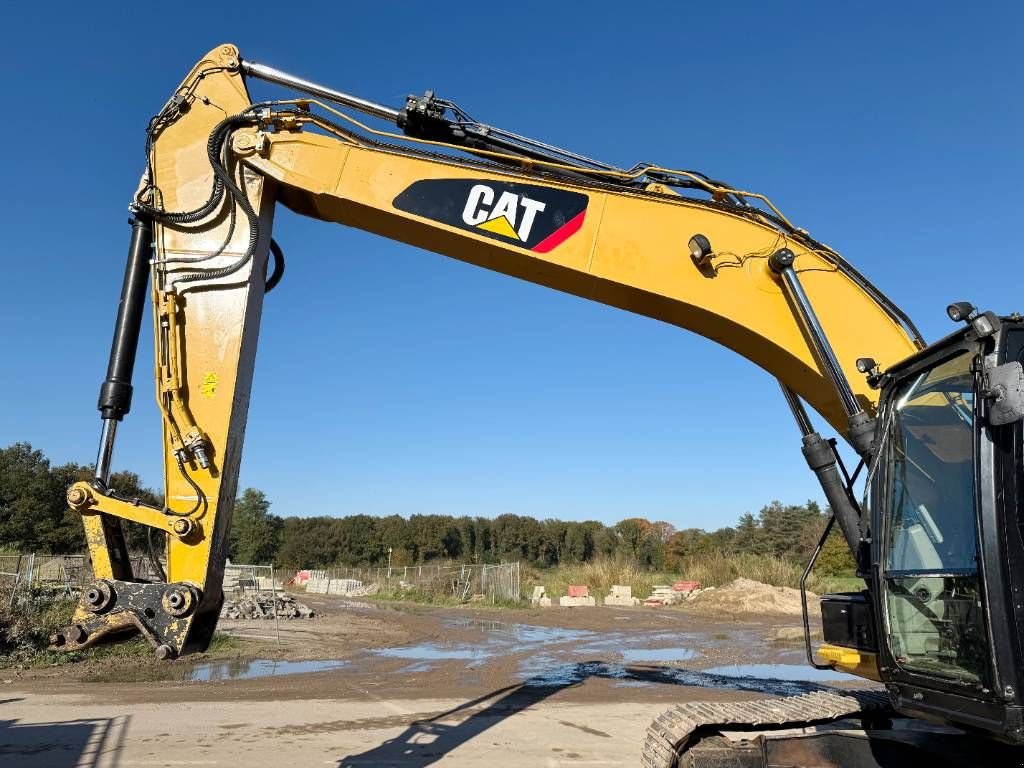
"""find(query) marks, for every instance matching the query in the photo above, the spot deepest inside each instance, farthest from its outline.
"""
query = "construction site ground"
(370, 684)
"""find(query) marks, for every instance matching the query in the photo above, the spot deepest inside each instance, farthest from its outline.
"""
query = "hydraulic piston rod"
(276, 76)
(824, 463)
(861, 426)
(115, 398)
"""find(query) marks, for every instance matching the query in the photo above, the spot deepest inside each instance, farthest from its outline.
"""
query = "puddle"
(500, 638)
(790, 672)
(433, 652)
(658, 654)
(243, 669)
(774, 679)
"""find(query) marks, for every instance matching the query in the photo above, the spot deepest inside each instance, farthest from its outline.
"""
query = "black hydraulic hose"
(154, 561)
(240, 198)
(214, 145)
(275, 276)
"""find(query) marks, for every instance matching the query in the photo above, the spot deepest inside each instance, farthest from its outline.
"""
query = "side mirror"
(1003, 387)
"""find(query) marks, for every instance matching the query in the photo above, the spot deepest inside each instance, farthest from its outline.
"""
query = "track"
(675, 731)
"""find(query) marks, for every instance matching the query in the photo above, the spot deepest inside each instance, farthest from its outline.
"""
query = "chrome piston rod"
(861, 431)
(276, 76)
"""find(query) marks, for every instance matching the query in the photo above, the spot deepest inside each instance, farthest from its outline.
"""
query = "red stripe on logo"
(561, 234)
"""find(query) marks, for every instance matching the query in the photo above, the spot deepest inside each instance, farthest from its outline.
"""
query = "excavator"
(937, 532)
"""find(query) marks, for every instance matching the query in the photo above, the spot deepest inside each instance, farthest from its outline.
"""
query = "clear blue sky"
(393, 380)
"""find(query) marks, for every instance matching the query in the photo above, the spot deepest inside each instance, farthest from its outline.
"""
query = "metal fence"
(463, 581)
(65, 573)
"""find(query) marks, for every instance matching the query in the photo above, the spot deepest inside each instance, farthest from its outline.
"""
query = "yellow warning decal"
(209, 386)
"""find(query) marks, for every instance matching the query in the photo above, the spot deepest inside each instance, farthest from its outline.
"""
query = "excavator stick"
(206, 286)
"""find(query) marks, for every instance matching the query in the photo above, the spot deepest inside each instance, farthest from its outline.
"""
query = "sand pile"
(749, 596)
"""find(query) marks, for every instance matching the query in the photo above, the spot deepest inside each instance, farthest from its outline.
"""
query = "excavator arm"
(671, 245)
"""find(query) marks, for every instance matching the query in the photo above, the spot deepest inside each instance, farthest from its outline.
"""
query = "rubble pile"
(265, 606)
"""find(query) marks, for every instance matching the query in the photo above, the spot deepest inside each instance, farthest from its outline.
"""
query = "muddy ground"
(405, 685)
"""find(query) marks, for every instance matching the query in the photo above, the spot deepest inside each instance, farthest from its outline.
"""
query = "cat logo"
(501, 218)
(526, 215)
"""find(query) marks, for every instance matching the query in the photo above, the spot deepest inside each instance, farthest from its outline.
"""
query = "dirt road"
(508, 729)
(364, 685)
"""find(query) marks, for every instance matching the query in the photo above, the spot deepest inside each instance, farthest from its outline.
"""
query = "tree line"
(34, 517)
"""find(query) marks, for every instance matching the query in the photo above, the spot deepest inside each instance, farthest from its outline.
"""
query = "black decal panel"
(528, 215)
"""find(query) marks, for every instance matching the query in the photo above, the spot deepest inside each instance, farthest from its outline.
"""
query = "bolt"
(182, 526)
(98, 596)
(165, 652)
(77, 634)
(178, 602)
(77, 496)
(1008, 691)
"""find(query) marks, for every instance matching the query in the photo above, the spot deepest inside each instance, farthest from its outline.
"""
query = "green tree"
(749, 537)
(128, 485)
(34, 514)
(255, 533)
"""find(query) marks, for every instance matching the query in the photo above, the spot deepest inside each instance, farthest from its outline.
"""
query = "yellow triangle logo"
(500, 226)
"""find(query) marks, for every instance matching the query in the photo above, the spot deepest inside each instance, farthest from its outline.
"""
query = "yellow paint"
(852, 661)
(630, 253)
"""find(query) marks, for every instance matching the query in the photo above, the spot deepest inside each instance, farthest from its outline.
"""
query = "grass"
(26, 628)
(599, 575)
(711, 570)
(427, 596)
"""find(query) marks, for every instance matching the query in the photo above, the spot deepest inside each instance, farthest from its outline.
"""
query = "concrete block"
(663, 595)
(539, 595)
(318, 586)
(626, 602)
(621, 596)
(343, 586)
(577, 602)
(578, 590)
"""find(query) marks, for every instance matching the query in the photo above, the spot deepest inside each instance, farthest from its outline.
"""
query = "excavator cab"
(947, 530)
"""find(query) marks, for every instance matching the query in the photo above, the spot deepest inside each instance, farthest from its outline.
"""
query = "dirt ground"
(379, 685)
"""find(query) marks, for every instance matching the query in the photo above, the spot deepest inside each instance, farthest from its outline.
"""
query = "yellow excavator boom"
(729, 267)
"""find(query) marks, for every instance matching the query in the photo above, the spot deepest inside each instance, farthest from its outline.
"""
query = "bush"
(712, 569)
(26, 627)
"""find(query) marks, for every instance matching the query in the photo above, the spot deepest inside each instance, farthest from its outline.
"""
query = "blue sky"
(391, 380)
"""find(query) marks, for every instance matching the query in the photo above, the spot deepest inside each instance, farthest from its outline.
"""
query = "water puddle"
(658, 654)
(790, 672)
(247, 669)
(774, 679)
(434, 652)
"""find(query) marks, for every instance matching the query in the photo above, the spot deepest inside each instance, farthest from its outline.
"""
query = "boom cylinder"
(115, 399)
(861, 426)
(821, 458)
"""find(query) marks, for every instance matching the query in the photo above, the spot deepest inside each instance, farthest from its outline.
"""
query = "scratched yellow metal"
(852, 661)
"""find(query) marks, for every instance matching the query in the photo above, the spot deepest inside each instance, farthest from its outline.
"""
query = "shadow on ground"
(69, 744)
(424, 742)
